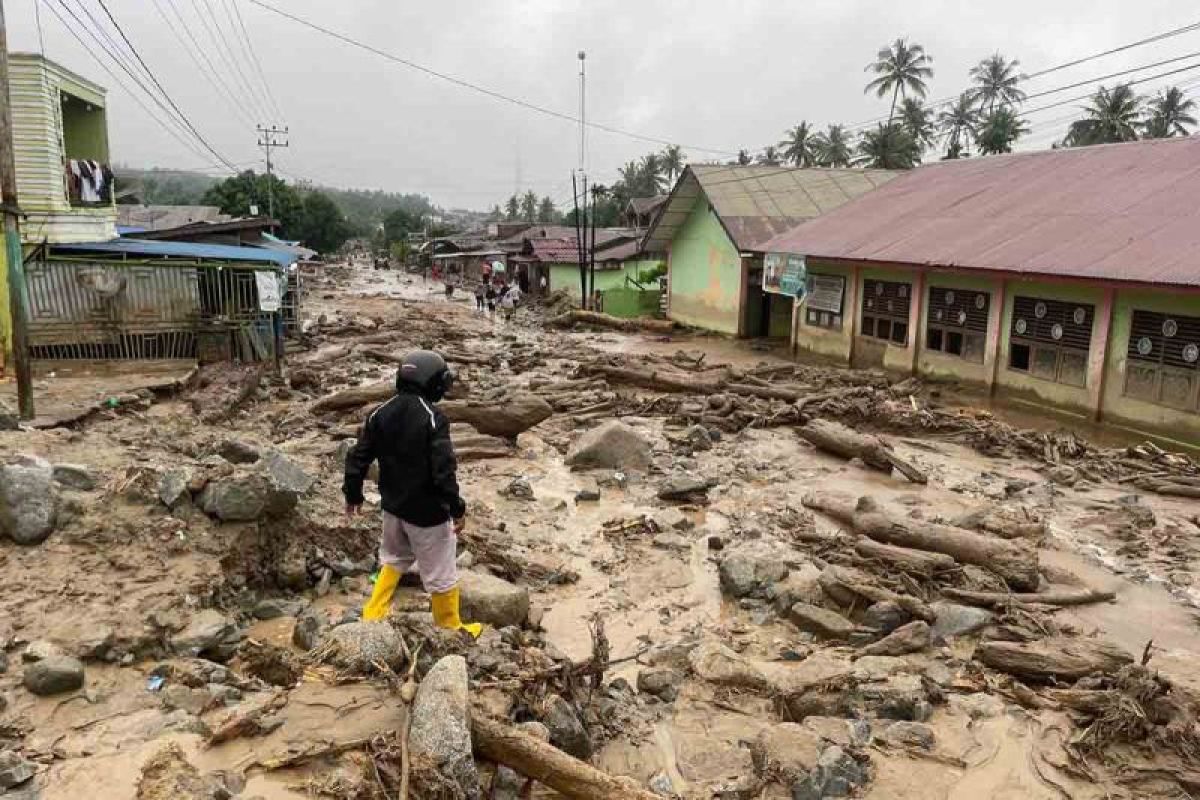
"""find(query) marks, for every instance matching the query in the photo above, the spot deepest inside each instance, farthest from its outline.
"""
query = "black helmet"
(425, 372)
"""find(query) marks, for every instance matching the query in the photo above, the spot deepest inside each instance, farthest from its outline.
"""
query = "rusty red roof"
(1123, 212)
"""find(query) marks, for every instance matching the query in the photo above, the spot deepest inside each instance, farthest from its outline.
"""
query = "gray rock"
(587, 496)
(884, 617)
(979, 705)
(14, 770)
(836, 774)
(193, 701)
(901, 697)
(286, 474)
(801, 585)
(360, 644)
(237, 498)
(343, 449)
(956, 620)
(173, 487)
(9, 421)
(910, 638)
(222, 694)
(209, 633)
(309, 629)
(274, 607)
(613, 445)
(785, 751)
(54, 675)
(698, 438)
(40, 650)
(235, 451)
(507, 784)
(662, 682)
(28, 500)
(718, 664)
(1064, 474)
(839, 731)
(492, 600)
(820, 621)
(441, 723)
(535, 729)
(660, 783)
(518, 489)
(566, 731)
(750, 569)
(671, 541)
(685, 488)
(465, 560)
(909, 734)
(74, 476)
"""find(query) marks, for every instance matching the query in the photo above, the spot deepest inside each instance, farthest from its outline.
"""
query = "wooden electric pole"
(18, 297)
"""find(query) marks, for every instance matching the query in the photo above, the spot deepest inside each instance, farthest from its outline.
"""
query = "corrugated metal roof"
(1125, 212)
(757, 202)
(193, 250)
(156, 218)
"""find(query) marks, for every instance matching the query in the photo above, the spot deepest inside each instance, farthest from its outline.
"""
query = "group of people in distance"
(489, 294)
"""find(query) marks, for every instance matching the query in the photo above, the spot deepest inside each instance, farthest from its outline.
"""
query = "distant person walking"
(508, 303)
(480, 293)
(491, 300)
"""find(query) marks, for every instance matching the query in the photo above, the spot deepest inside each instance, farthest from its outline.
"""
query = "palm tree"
(797, 145)
(743, 157)
(997, 132)
(900, 68)
(512, 209)
(888, 147)
(769, 156)
(832, 147)
(652, 174)
(1170, 114)
(673, 159)
(958, 122)
(996, 81)
(529, 207)
(918, 121)
(1114, 115)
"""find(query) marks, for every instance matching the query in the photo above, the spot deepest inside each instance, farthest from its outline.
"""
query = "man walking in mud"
(410, 437)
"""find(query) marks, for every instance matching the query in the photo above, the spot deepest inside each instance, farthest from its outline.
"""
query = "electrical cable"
(220, 45)
(262, 75)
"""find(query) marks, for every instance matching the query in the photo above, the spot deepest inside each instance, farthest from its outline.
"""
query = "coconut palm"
(652, 174)
(673, 160)
(996, 81)
(743, 157)
(888, 147)
(918, 121)
(999, 130)
(958, 122)
(770, 156)
(900, 68)
(1113, 115)
(797, 145)
(1170, 114)
(832, 148)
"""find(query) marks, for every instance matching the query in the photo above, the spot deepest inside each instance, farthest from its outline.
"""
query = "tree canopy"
(310, 215)
(900, 69)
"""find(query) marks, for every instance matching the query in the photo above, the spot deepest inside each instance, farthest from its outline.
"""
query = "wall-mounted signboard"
(785, 273)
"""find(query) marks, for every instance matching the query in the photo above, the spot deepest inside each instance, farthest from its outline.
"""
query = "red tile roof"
(1125, 212)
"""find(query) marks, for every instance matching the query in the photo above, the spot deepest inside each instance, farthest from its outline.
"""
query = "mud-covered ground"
(711, 687)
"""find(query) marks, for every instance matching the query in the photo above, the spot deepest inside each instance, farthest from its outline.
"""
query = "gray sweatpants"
(431, 549)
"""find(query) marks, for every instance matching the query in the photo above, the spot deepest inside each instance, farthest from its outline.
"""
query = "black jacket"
(411, 439)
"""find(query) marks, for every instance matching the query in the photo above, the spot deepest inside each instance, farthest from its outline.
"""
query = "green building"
(1066, 278)
(713, 225)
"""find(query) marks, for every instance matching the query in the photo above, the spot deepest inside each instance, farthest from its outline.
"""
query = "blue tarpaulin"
(190, 250)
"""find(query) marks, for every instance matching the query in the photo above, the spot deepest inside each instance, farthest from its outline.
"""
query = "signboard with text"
(785, 273)
(269, 296)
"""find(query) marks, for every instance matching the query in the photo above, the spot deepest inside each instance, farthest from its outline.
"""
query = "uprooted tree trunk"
(833, 437)
(505, 419)
(354, 397)
(657, 380)
(1016, 563)
(579, 317)
(547, 764)
(1055, 658)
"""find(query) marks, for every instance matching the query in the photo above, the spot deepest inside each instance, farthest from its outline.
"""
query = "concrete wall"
(824, 342)
(1020, 384)
(706, 274)
(940, 365)
(1122, 410)
(566, 276)
(875, 353)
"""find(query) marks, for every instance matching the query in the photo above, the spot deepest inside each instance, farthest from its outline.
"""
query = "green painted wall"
(706, 274)
(940, 365)
(85, 132)
(1119, 409)
(566, 276)
(1012, 382)
(824, 342)
(5, 317)
(630, 303)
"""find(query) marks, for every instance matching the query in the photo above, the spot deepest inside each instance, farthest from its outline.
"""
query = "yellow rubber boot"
(446, 615)
(381, 596)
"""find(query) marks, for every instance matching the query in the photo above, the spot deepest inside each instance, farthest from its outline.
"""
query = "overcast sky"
(706, 75)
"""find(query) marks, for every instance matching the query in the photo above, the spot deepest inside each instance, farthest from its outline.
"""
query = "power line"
(220, 45)
(1110, 75)
(165, 94)
(262, 75)
(477, 88)
(1048, 106)
(1156, 38)
(210, 73)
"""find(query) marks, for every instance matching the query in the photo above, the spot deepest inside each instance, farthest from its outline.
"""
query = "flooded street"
(717, 588)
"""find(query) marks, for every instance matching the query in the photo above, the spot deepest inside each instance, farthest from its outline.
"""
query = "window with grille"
(1163, 363)
(823, 304)
(957, 323)
(1050, 339)
(885, 310)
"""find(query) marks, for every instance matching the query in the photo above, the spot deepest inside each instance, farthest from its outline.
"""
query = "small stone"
(566, 731)
(661, 784)
(274, 607)
(1064, 475)
(662, 682)
(820, 621)
(716, 543)
(209, 633)
(507, 784)
(587, 496)
(837, 774)
(14, 770)
(909, 734)
(9, 420)
(518, 489)
(74, 476)
(174, 487)
(54, 675)
(492, 600)
(684, 488)
(785, 751)
(884, 617)
(236, 451)
(40, 650)
(698, 438)
(952, 619)
(670, 541)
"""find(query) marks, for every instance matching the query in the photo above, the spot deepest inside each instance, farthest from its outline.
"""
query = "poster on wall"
(785, 273)
(269, 296)
(825, 293)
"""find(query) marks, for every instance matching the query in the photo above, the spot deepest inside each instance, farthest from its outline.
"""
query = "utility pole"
(18, 297)
(268, 140)
(582, 112)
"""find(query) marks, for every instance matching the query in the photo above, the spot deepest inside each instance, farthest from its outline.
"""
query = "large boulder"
(752, 568)
(492, 600)
(837, 774)
(28, 500)
(785, 752)
(209, 633)
(952, 619)
(236, 498)
(173, 490)
(14, 770)
(441, 724)
(286, 474)
(359, 645)
(613, 445)
(54, 675)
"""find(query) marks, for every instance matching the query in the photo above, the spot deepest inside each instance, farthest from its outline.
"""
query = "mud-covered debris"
(238, 451)
(54, 675)
(958, 620)
(718, 664)
(14, 770)
(9, 421)
(276, 666)
(662, 682)
(910, 638)
(517, 489)
(492, 600)
(28, 500)
(750, 569)
(357, 647)
(256, 718)
(441, 723)
(613, 445)
(75, 476)
(785, 752)
(309, 629)
(275, 607)
(685, 489)
(209, 633)
(566, 730)
(1053, 658)
(587, 496)
(883, 617)
(908, 734)
(40, 650)
(174, 487)
(820, 621)
(836, 774)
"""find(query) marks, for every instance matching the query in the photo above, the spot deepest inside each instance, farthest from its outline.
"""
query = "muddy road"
(680, 589)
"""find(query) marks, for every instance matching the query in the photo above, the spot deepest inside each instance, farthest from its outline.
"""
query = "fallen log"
(505, 419)
(1015, 562)
(547, 764)
(844, 585)
(656, 380)
(834, 394)
(914, 562)
(1001, 524)
(1173, 488)
(354, 397)
(765, 392)
(579, 317)
(1054, 658)
(1068, 598)
(833, 437)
